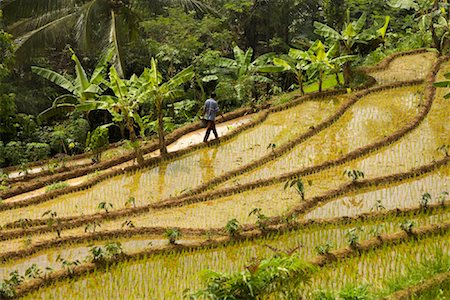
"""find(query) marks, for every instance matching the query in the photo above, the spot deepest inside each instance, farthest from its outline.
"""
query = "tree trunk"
(300, 83)
(320, 80)
(338, 81)
(136, 145)
(435, 38)
(162, 142)
(347, 73)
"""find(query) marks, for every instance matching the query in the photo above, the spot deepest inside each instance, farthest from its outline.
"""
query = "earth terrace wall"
(430, 92)
(414, 291)
(150, 162)
(275, 225)
(152, 146)
(173, 201)
(40, 225)
(383, 65)
(320, 261)
(280, 151)
(172, 137)
(352, 186)
(81, 170)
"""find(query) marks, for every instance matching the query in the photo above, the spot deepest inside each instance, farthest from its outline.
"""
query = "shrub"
(173, 234)
(97, 141)
(233, 227)
(15, 153)
(56, 186)
(37, 151)
(273, 278)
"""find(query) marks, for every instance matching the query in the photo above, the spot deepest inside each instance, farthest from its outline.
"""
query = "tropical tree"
(295, 62)
(94, 24)
(352, 34)
(130, 94)
(238, 76)
(80, 89)
(158, 92)
(317, 60)
(432, 16)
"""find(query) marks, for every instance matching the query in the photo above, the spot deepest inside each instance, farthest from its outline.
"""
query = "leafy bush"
(37, 151)
(273, 278)
(15, 153)
(97, 141)
(173, 234)
(233, 227)
(56, 186)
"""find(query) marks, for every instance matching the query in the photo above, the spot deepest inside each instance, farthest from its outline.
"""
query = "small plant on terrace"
(68, 265)
(353, 237)
(376, 230)
(113, 250)
(96, 254)
(351, 292)
(233, 228)
(23, 169)
(173, 234)
(131, 202)
(354, 175)
(33, 272)
(128, 223)
(424, 201)
(378, 206)
(24, 223)
(324, 249)
(92, 226)
(56, 186)
(261, 219)
(105, 206)
(297, 183)
(442, 198)
(8, 286)
(289, 220)
(272, 146)
(444, 149)
(53, 221)
(407, 226)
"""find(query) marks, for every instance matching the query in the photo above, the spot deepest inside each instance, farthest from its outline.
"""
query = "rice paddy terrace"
(371, 179)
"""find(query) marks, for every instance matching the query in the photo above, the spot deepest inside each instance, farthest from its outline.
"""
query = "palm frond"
(37, 39)
(14, 10)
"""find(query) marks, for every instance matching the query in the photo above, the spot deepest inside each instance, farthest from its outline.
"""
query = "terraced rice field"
(358, 139)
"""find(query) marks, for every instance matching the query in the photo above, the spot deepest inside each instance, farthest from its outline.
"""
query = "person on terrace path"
(210, 109)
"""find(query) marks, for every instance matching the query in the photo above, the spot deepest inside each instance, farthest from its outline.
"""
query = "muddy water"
(370, 120)
(377, 266)
(174, 177)
(165, 277)
(400, 196)
(406, 68)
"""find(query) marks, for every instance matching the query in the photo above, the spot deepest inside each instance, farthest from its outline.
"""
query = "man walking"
(210, 110)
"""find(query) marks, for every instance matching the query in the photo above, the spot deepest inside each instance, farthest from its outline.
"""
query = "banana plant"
(296, 62)
(130, 94)
(80, 89)
(239, 75)
(158, 92)
(352, 34)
